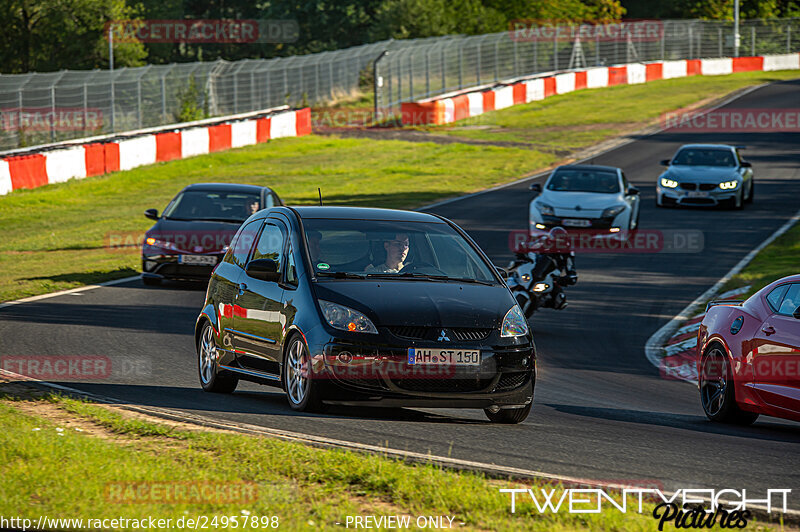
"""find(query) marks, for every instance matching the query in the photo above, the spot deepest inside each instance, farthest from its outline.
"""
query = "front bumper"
(164, 266)
(709, 198)
(381, 376)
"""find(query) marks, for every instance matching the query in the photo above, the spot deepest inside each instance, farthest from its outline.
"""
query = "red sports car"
(748, 355)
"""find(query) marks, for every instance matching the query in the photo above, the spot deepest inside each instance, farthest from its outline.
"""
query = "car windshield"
(212, 206)
(584, 180)
(390, 249)
(704, 157)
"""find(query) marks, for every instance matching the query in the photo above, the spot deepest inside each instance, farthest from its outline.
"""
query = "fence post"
(597, 49)
(235, 94)
(691, 43)
(85, 107)
(496, 60)
(376, 85)
(516, 60)
(788, 39)
(663, 43)
(113, 110)
(252, 91)
(316, 81)
(427, 74)
(285, 81)
(410, 77)
(19, 116)
(52, 113)
(478, 63)
(139, 102)
(555, 49)
(719, 38)
(330, 78)
(460, 67)
(444, 81)
(163, 99)
(752, 41)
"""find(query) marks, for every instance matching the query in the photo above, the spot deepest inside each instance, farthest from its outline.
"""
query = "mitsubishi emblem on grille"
(443, 336)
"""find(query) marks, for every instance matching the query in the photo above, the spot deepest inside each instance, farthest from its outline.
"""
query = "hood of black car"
(421, 303)
(194, 236)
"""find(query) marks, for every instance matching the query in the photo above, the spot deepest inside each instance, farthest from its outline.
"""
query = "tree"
(47, 35)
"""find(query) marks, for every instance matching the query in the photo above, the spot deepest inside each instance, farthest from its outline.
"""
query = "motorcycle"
(537, 280)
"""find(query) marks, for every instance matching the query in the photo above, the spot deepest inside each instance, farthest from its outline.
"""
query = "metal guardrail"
(40, 108)
(448, 64)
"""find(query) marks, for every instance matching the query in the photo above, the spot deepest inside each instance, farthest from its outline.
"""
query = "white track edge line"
(70, 291)
(654, 345)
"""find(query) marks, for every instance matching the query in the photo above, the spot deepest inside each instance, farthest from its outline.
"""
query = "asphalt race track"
(601, 410)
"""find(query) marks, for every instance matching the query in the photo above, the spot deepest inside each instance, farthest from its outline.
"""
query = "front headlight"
(346, 319)
(668, 183)
(545, 209)
(514, 324)
(729, 185)
(162, 244)
(612, 212)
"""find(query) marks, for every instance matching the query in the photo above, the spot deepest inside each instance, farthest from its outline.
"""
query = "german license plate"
(574, 222)
(458, 357)
(202, 260)
(696, 194)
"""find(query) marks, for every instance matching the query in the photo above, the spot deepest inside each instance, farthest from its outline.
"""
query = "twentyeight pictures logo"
(685, 508)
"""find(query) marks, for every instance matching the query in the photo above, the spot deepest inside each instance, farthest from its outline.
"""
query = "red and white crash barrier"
(74, 160)
(466, 104)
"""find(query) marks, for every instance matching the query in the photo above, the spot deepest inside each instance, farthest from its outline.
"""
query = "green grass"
(44, 473)
(575, 120)
(779, 259)
(55, 237)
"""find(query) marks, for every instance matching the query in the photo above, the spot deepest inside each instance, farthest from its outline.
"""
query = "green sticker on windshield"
(322, 266)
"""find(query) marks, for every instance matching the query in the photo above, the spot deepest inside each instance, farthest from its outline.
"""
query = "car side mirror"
(264, 270)
(632, 191)
(536, 188)
(151, 213)
(665, 162)
(746, 164)
(502, 271)
(796, 313)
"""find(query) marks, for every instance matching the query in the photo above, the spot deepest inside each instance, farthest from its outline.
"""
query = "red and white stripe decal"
(78, 161)
(452, 108)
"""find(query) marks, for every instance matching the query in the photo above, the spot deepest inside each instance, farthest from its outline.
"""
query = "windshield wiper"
(341, 275)
(427, 277)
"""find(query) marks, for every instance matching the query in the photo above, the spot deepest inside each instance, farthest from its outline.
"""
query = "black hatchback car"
(196, 227)
(340, 305)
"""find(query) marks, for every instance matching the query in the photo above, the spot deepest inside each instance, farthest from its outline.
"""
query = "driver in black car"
(396, 253)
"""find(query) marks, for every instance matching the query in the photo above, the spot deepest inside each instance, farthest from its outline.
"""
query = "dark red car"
(748, 359)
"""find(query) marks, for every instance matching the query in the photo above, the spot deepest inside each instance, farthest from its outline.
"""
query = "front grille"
(461, 334)
(509, 381)
(698, 201)
(708, 186)
(374, 384)
(689, 186)
(443, 385)
(466, 335)
(415, 333)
